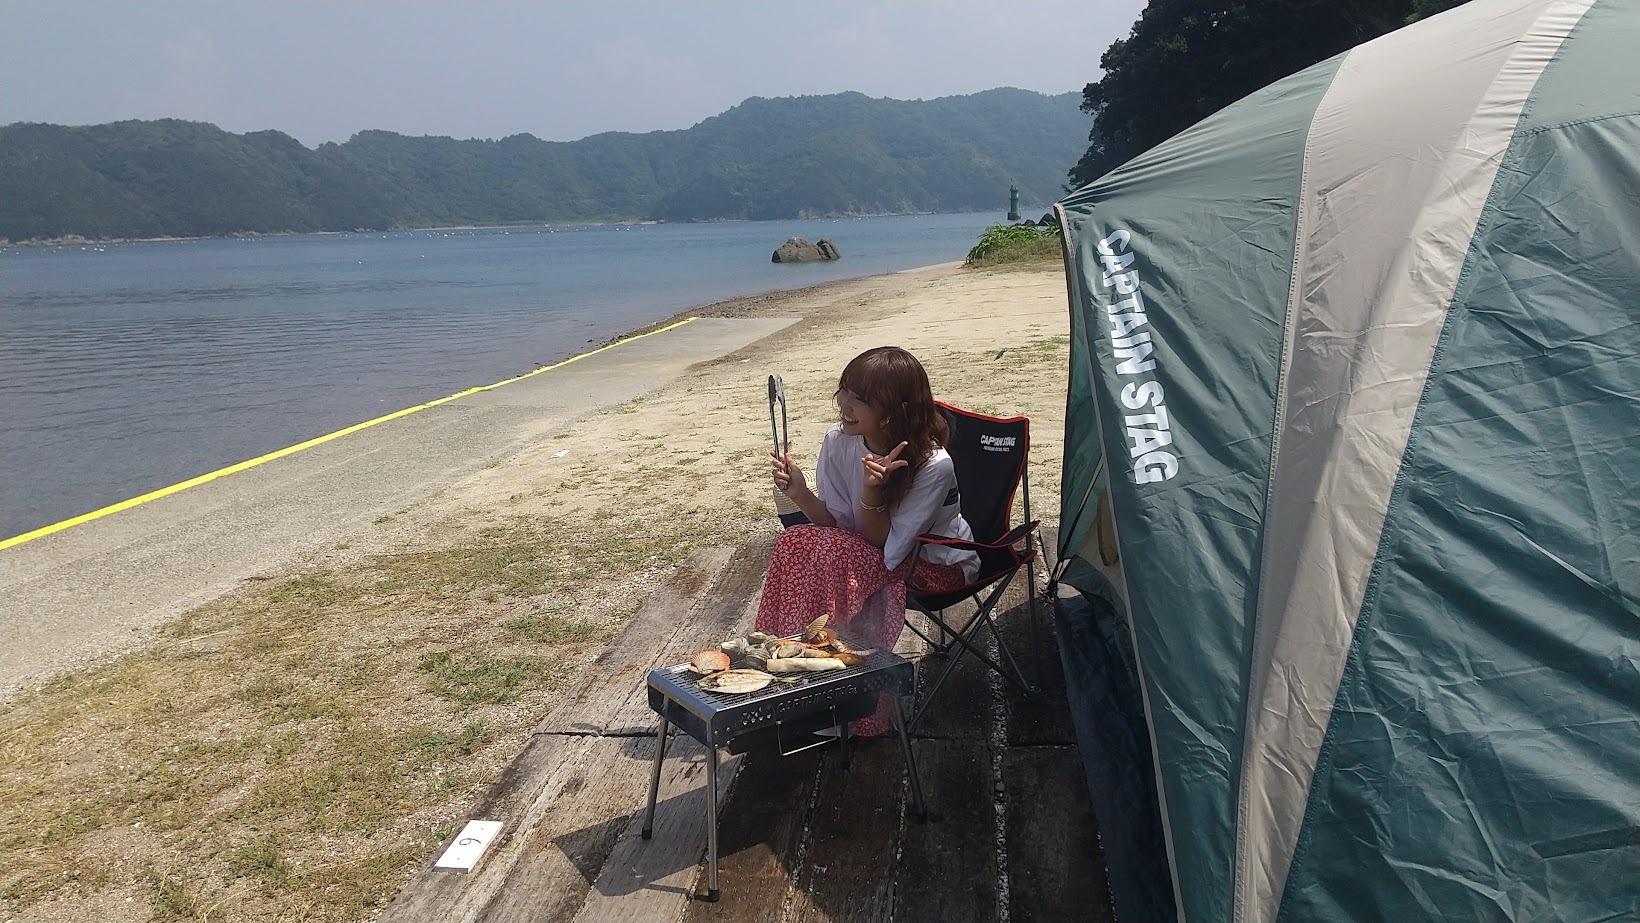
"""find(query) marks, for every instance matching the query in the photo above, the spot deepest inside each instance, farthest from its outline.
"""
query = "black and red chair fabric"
(990, 456)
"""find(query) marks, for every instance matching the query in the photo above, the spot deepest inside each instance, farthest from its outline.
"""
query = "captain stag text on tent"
(1148, 433)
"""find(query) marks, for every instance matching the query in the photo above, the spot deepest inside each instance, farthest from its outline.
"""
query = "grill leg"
(655, 777)
(712, 826)
(910, 759)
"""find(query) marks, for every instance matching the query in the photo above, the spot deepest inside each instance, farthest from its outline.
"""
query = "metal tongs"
(777, 395)
(789, 512)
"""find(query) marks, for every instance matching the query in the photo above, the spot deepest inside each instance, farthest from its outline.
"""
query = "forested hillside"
(765, 158)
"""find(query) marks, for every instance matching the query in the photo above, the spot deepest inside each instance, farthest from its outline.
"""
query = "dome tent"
(1351, 486)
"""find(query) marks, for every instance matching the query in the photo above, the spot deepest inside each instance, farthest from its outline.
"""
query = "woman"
(882, 479)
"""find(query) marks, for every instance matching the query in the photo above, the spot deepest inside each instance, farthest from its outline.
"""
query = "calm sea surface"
(127, 367)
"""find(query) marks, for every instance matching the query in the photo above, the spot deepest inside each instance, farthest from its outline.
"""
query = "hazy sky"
(323, 70)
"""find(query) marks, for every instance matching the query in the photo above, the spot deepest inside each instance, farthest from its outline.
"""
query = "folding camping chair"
(990, 458)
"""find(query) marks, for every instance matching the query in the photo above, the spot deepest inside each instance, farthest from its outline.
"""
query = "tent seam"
(1572, 123)
(1238, 900)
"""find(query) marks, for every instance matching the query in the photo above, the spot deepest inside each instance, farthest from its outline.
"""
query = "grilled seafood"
(803, 664)
(709, 662)
(736, 681)
(817, 649)
(816, 633)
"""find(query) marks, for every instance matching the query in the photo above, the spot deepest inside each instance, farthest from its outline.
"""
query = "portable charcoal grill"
(739, 722)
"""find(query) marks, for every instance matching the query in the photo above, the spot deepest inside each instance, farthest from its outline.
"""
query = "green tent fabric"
(1353, 447)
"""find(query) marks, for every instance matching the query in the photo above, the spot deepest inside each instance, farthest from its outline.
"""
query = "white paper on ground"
(469, 845)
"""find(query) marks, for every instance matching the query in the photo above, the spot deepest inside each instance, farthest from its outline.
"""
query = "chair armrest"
(1013, 538)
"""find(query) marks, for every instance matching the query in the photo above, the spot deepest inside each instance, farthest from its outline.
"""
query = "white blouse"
(930, 507)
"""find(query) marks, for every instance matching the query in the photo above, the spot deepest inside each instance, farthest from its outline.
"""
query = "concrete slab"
(98, 587)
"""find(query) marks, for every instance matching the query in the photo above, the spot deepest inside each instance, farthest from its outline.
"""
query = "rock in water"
(799, 250)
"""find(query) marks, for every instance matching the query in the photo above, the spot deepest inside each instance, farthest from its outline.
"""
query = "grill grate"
(690, 681)
(715, 716)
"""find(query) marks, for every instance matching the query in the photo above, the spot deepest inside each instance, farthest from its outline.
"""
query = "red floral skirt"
(818, 570)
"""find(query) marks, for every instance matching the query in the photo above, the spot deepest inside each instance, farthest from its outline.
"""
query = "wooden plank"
(761, 838)
(570, 838)
(1056, 870)
(846, 873)
(606, 684)
(948, 867)
(644, 881)
(726, 605)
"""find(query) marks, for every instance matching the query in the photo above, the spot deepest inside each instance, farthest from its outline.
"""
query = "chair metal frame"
(993, 584)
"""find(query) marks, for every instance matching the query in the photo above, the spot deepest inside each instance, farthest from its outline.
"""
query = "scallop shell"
(709, 662)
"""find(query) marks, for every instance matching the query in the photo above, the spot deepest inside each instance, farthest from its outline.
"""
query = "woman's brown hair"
(893, 382)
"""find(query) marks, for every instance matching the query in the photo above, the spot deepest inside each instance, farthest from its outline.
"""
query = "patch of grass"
(283, 700)
(548, 628)
(1008, 245)
(357, 889)
(263, 859)
(308, 591)
(283, 746)
(515, 561)
(428, 745)
(471, 678)
(172, 898)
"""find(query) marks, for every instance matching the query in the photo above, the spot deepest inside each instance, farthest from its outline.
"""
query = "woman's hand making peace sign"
(878, 468)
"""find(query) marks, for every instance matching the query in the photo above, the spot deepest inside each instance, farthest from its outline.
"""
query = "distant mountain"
(842, 154)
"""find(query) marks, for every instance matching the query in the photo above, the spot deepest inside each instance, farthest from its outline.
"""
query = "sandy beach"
(287, 741)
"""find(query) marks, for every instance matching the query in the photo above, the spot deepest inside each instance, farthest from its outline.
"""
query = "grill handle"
(780, 743)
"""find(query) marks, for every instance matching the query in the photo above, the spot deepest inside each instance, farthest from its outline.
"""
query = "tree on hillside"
(1187, 59)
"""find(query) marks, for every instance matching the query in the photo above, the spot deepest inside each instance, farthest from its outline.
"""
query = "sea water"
(126, 367)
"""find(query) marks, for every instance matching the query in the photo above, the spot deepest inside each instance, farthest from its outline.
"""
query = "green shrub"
(1003, 244)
